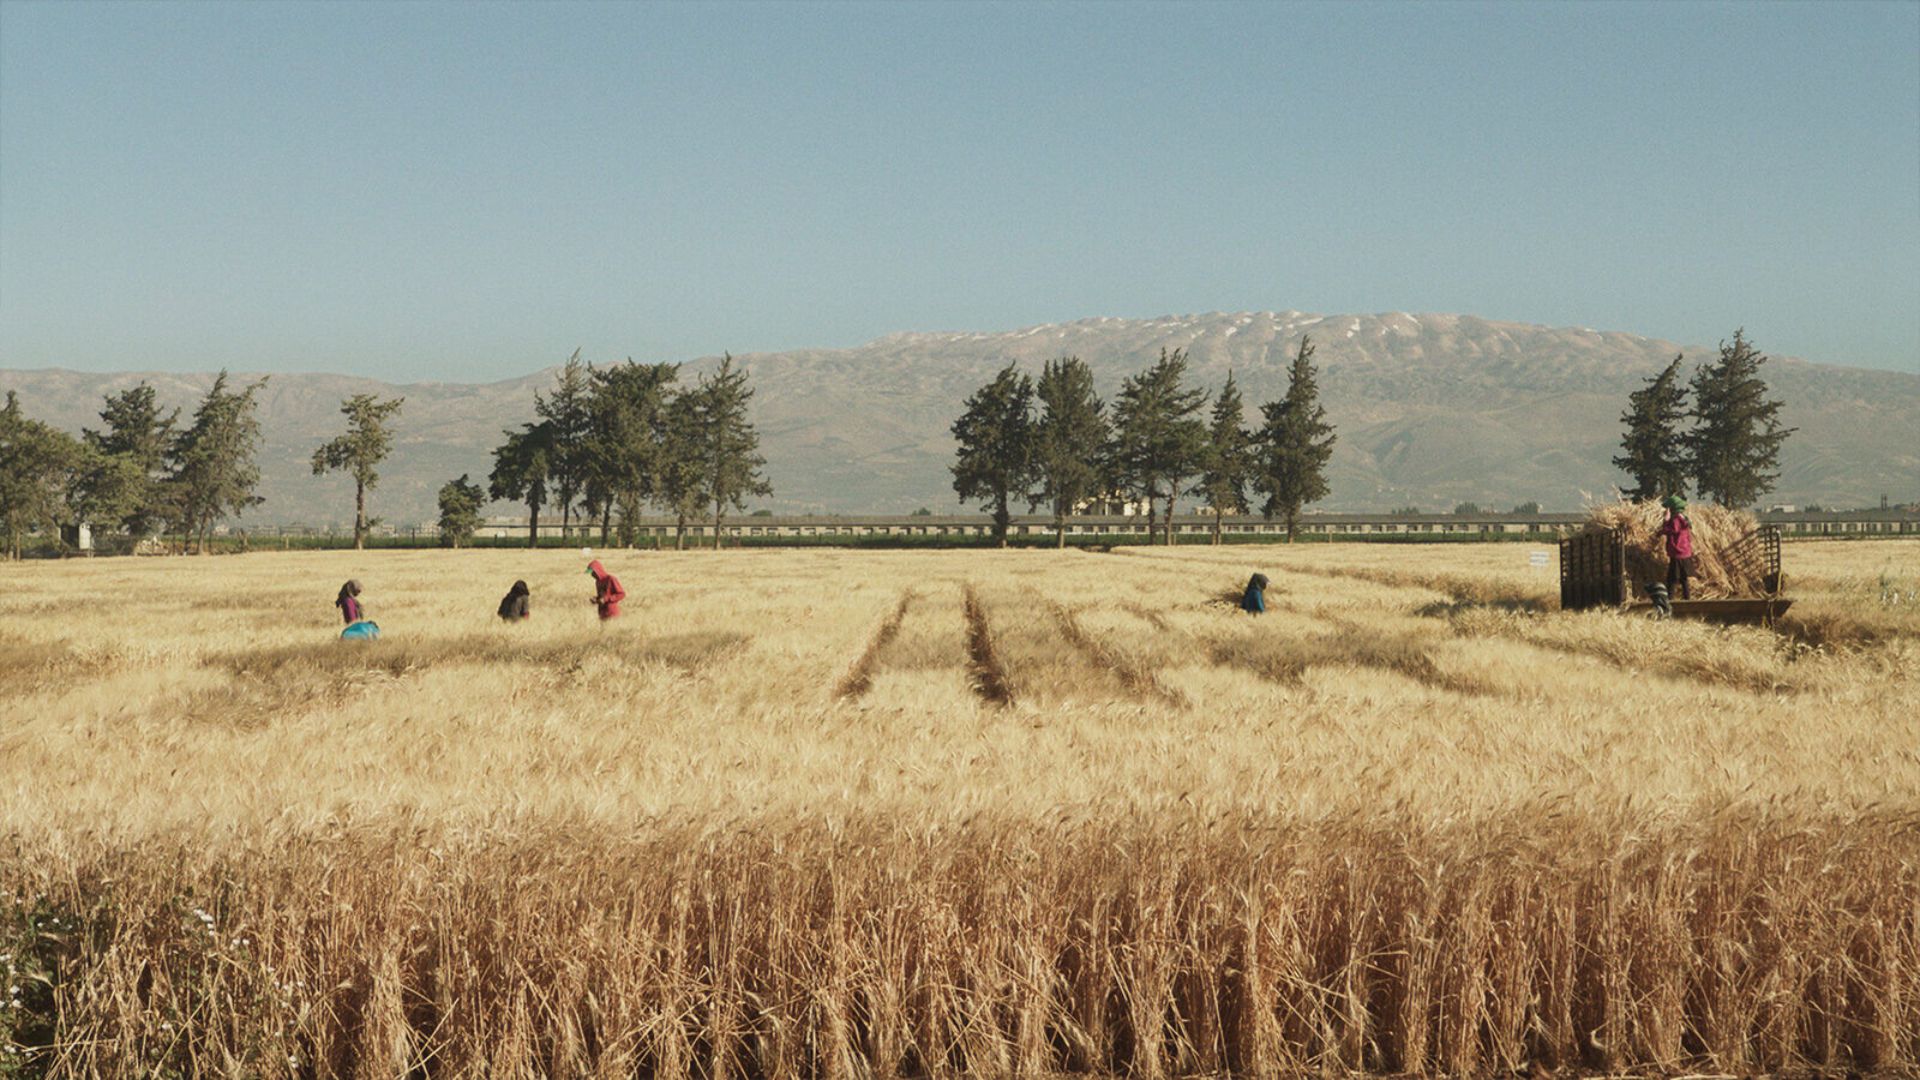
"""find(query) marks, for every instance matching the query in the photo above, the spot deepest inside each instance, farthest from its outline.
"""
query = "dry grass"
(841, 814)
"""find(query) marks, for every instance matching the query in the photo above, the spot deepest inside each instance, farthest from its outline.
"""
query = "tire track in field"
(859, 678)
(1148, 615)
(1139, 681)
(1349, 643)
(987, 676)
(1464, 592)
(1286, 669)
(1406, 654)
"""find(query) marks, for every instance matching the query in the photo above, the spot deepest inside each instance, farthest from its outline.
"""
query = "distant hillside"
(1432, 410)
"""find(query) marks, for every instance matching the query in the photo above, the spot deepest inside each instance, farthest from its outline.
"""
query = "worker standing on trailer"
(607, 592)
(1678, 532)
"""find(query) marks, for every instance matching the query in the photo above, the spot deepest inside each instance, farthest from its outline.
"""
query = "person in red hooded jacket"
(607, 592)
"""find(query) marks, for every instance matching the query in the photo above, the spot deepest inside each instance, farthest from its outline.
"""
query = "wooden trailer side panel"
(1593, 571)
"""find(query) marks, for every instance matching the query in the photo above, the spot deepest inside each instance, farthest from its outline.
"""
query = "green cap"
(1674, 502)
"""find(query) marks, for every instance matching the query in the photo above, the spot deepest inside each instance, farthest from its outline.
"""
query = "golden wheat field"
(846, 814)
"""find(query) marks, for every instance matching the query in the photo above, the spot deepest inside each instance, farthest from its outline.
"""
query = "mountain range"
(1431, 410)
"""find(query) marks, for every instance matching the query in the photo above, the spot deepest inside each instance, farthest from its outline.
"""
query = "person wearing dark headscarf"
(351, 610)
(607, 592)
(513, 607)
(1254, 600)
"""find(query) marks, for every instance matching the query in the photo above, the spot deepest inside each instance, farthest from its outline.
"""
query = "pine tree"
(1223, 483)
(360, 451)
(1655, 455)
(37, 464)
(214, 467)
(1295, 444)
(460, 505)
(730, 445)
(1068, 440)
(522, 472)
(627, 408)
(1158, 440)
(132, 478)
(680, 473)
(1734, 448)
(995, 461)
(569, 455)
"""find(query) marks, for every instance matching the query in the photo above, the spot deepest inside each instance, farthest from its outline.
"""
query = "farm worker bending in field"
(1254, 600)
(607, 592)
(348, 602)
(359, 627)
(1678, 532)
(513, 607)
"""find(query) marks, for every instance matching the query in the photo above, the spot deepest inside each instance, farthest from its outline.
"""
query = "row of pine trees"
(607, 443)
(141, 473)
(610, 442)
(1056, 443)
(1724, 443)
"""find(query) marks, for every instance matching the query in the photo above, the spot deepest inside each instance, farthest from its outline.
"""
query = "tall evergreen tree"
(36, 470)
(1734, 448)
(1068, 440)
(1223, 483)
(359, 452)
(521, 472)
(1159, 440)
(730, 445)
(103, 490)
(680, 473)
(214, 461)
(1654, 450)
(1295, 444)
(627, 406)
(995, 461)
(460, 505)
(569, 423)
(133, 475)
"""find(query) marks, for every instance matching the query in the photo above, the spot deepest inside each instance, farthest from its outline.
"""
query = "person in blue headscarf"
(1254, 600)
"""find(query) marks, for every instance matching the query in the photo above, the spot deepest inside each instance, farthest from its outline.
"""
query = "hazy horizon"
(1695, 352)
(442, 192)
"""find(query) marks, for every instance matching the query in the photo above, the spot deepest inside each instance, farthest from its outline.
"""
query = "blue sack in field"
(364, 630)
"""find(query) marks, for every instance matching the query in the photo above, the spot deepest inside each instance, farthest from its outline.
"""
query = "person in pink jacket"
(351, 610)
(607, 592)
(1678, 532)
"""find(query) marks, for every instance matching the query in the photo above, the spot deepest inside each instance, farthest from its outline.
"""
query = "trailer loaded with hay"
(1619, 553)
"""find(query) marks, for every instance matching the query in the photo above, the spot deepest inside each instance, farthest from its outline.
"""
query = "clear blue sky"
(440, 191)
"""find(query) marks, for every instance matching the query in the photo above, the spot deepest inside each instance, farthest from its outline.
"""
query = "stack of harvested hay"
(1716, 530)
